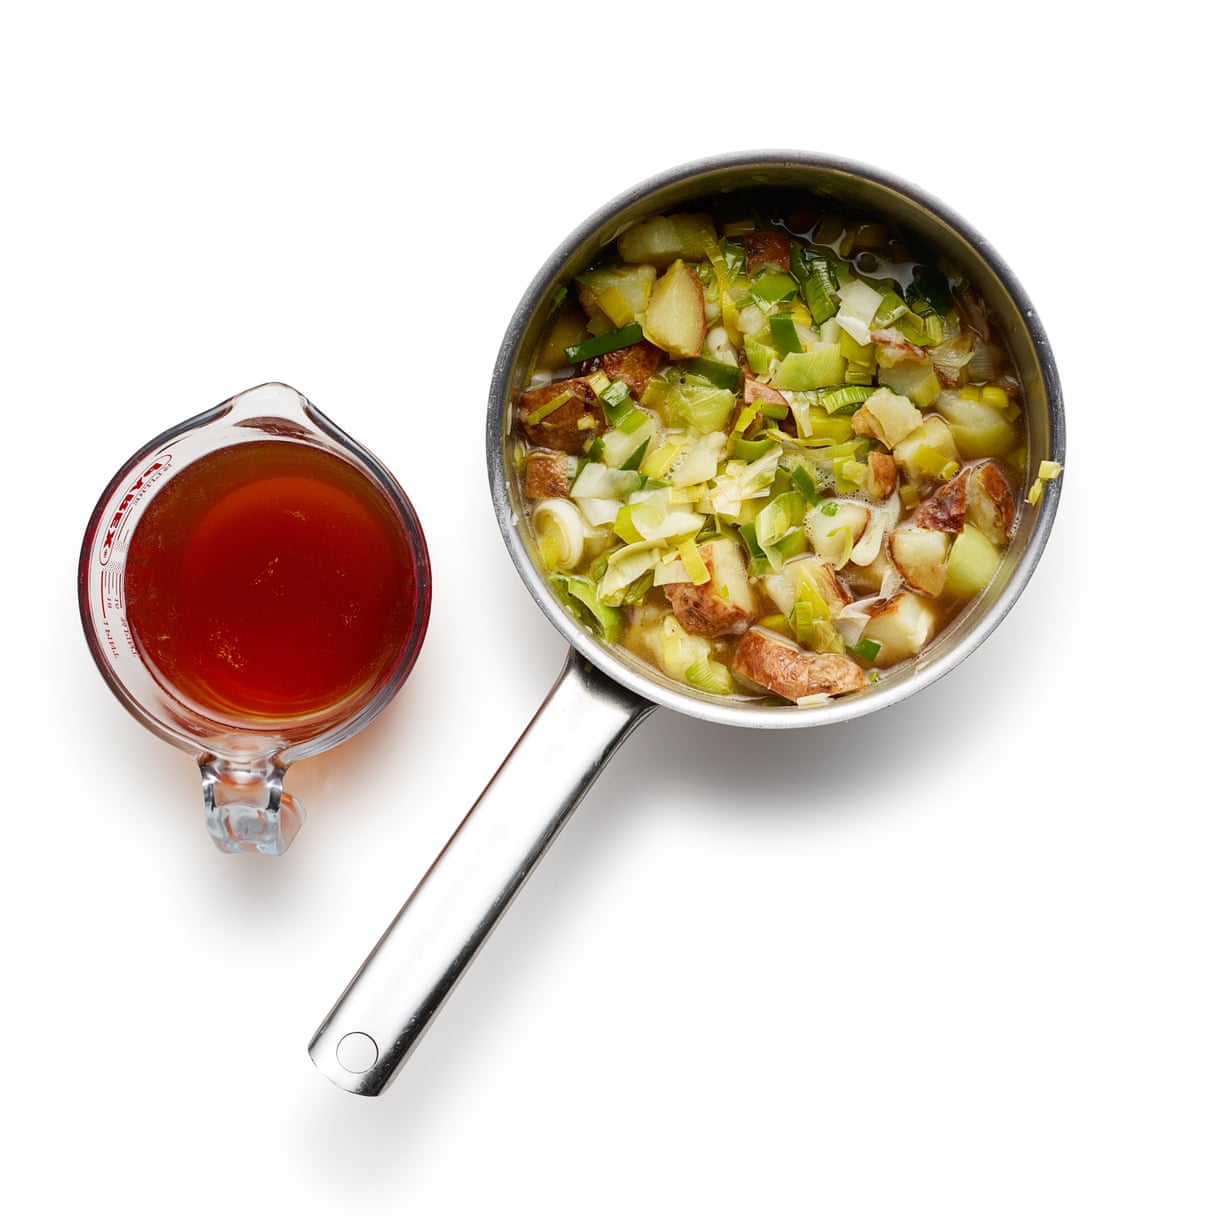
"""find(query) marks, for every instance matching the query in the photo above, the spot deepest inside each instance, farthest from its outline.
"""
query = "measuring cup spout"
(247, 807)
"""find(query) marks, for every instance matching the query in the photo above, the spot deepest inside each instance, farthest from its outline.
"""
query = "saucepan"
(603, 691)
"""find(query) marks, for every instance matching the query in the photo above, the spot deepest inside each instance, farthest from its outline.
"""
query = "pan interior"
(859, 188)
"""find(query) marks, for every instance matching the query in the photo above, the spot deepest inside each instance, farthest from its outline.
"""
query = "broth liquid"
(270, 582)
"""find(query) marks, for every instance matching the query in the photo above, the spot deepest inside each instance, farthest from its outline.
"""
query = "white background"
(960, 961)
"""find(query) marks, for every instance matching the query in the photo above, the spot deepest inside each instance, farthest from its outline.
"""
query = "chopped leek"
(559, 533)
(749, 450)
(867, 649)
(691, 558)
(635, 460)
(822, 366)
(597, 346)
(589, 607)
(782, 327)
(625, 565)
(759, 352)
(537, 415)
(973, 559)
(659, 463)
(716, 373)
(709, 676)
(770, 288)
(802, 479)
(699, 405)
(845, 398)
(1048, 470)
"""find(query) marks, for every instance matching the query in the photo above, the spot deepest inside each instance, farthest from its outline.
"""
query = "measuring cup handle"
(374, 1026)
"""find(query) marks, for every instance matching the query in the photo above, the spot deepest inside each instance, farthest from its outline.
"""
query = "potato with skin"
(886, 417)
(979, 495)
(569, 426)
(659, 240)
(634, 365)
(882, 475)
(903, 625)
(546, 473)
(921, 556)
(989, 503)
(777, 664)
(724, 605)
(676, 314)
(766, 248)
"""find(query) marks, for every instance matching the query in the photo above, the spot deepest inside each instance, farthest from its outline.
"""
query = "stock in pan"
(606, 689)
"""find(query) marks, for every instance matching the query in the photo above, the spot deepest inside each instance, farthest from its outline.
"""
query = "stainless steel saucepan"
(603, 692)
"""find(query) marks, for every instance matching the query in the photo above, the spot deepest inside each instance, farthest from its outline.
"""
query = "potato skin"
(980, 494)
(561, 429)
(546, 473)
(882, 474)
(634, 365)
(766, 247)
(784, 668)
(704, 608)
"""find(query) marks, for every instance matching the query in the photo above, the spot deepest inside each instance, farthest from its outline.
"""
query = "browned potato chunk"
(777, 664)
(768, 247)
(546, 474)
(989, 504)
(573, 423)
(634, 365)
(979, 495)
(882, 474)
(724, 605)
(945, 510)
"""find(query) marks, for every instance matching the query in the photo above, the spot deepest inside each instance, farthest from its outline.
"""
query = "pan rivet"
(357, 1053)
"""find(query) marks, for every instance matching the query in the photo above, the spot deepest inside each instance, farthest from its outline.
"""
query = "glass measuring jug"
(254, 587)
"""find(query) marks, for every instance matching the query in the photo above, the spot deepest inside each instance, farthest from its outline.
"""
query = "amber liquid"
(271, 583)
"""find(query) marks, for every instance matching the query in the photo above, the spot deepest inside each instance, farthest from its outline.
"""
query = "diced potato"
(675, 318)
(635, 365)
(921, 557)
(933, 432)
(777, 664)
(887, 417)
(725, 605)
(633, 282)
(660, 240)
(882, 475)
(577, 420)
(869, 578)
(771, 248)
(902, 624)
(979, 495)
(916, 380)
(547, 473)
(980, 430)
(989, 503)
(834, 537)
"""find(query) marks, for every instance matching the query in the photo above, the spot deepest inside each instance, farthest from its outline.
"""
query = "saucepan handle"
(374, 1026)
